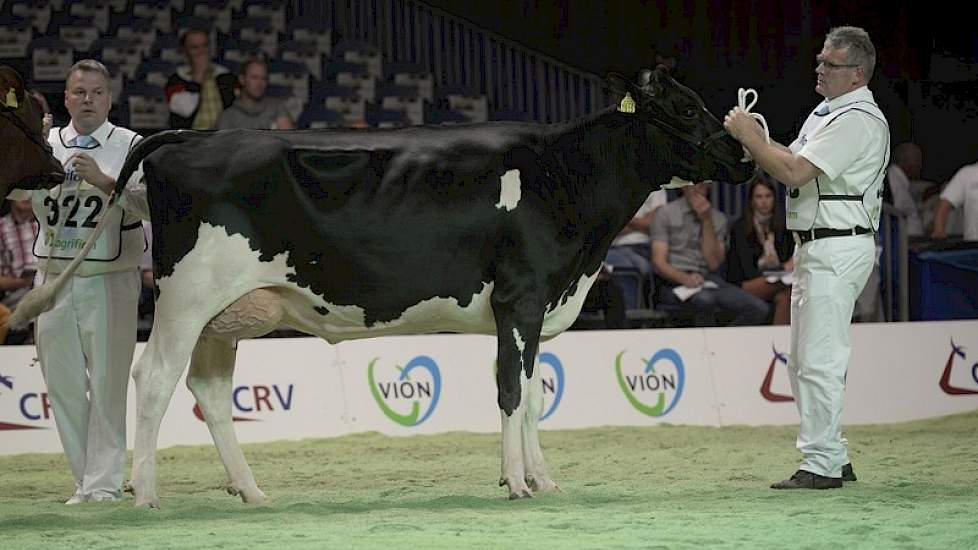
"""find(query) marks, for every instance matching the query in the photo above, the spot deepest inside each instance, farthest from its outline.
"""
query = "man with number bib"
(85, 342)
(835, 172)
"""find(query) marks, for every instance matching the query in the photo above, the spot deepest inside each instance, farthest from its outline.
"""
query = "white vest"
(121, 244)
(849, 201)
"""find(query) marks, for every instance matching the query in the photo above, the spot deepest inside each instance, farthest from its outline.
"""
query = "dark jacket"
(745, 249)
(182, 81)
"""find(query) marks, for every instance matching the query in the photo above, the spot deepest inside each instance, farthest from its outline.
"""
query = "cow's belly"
(221, 268)
(564, 315)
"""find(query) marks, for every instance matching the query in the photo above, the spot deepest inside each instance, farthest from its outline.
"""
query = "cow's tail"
(41, 299)
(143, 150)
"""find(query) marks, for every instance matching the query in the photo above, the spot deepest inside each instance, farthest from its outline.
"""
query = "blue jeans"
(747, 308)
(637, 259)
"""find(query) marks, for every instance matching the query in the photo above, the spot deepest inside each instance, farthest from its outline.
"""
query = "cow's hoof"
(517, 488)
(256, 497)
(542, 484)
(147, 502)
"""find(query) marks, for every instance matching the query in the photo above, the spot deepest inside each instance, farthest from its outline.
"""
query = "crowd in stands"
(255, 68)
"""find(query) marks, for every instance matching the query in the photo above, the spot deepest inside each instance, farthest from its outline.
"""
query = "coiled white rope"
(746, 107)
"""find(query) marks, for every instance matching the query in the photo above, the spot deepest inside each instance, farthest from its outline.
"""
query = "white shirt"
(962, 192)
(653, 201)
(79, 206)
(903, 200)
(851, 147)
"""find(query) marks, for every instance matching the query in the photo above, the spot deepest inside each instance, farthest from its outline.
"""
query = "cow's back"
(372, 228)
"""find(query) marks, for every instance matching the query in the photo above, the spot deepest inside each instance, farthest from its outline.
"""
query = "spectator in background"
(961, 194)
(688, 247)
(760, 242)
(906, 164)
(17, 267)
(632, 247)
(198, 92)
(252, 109)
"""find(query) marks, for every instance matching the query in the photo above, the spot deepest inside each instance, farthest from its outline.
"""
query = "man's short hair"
(91, 66)
(243, 70)
(193, 30)
(859, 48)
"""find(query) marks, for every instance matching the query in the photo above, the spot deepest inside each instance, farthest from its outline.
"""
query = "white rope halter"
(746, 107)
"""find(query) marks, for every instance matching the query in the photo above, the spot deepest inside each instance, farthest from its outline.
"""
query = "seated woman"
(759, 243)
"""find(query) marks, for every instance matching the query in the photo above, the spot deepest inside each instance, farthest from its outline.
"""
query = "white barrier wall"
(296, 388)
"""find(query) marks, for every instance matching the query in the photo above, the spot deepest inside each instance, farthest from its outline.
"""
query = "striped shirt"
(16, 240)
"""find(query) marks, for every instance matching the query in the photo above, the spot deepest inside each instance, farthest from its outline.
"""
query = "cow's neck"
(599, 158)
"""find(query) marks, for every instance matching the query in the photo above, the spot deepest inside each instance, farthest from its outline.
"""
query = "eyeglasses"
(821, 62)
(81, 95)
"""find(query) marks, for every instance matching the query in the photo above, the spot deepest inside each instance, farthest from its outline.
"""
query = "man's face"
(88, 99)
(21, 210)
(196, 46)
(836, 74)
(254, 81)
(702, 189)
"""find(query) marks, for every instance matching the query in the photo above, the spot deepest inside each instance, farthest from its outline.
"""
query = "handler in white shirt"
(85, 342)
(835, 171)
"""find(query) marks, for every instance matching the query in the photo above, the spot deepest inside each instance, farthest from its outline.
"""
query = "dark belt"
(823, 232)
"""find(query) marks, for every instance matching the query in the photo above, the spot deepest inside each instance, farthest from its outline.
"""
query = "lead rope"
(746, 107)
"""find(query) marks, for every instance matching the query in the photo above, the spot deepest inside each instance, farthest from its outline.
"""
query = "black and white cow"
(496, 228)
(26, 161)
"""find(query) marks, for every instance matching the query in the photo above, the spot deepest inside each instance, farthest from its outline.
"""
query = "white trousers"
(85, 346)
(829, 275)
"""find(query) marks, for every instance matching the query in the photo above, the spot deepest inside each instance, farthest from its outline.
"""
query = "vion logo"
(766, 391)
(946, 376)
(402, 392)
(552, 378)
(653, 386)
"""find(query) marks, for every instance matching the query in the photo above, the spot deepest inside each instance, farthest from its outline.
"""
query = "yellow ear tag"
(627, 104)
(11, 100)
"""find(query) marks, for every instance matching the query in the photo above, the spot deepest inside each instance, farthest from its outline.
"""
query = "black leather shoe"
(808, 480)
(847, 473)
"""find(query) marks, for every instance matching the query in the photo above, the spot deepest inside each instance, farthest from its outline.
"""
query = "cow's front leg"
(536, 468)
(517, 334)
(513, 464)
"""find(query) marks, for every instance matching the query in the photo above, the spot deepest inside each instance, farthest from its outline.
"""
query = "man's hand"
(86, 168)
(700, 205)
(742, 127)
(46, 123)
(693, 280)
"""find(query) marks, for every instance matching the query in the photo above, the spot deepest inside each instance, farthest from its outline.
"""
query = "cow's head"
(675, 115)
(27, 162)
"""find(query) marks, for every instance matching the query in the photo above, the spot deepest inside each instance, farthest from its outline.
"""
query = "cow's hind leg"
(156, 375)
(517, 334)
(537, 476)
(209, 379)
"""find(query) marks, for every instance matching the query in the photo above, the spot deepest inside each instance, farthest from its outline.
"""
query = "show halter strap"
(746, 107)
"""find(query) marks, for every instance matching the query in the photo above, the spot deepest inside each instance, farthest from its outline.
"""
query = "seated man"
(631, 249)
(253, 109)
(17, 232)
(688, 247)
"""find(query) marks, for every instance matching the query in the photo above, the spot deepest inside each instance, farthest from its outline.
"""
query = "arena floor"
(661, 487)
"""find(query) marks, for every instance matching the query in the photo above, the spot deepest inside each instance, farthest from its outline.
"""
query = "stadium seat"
(147, 107)
(51, 59)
